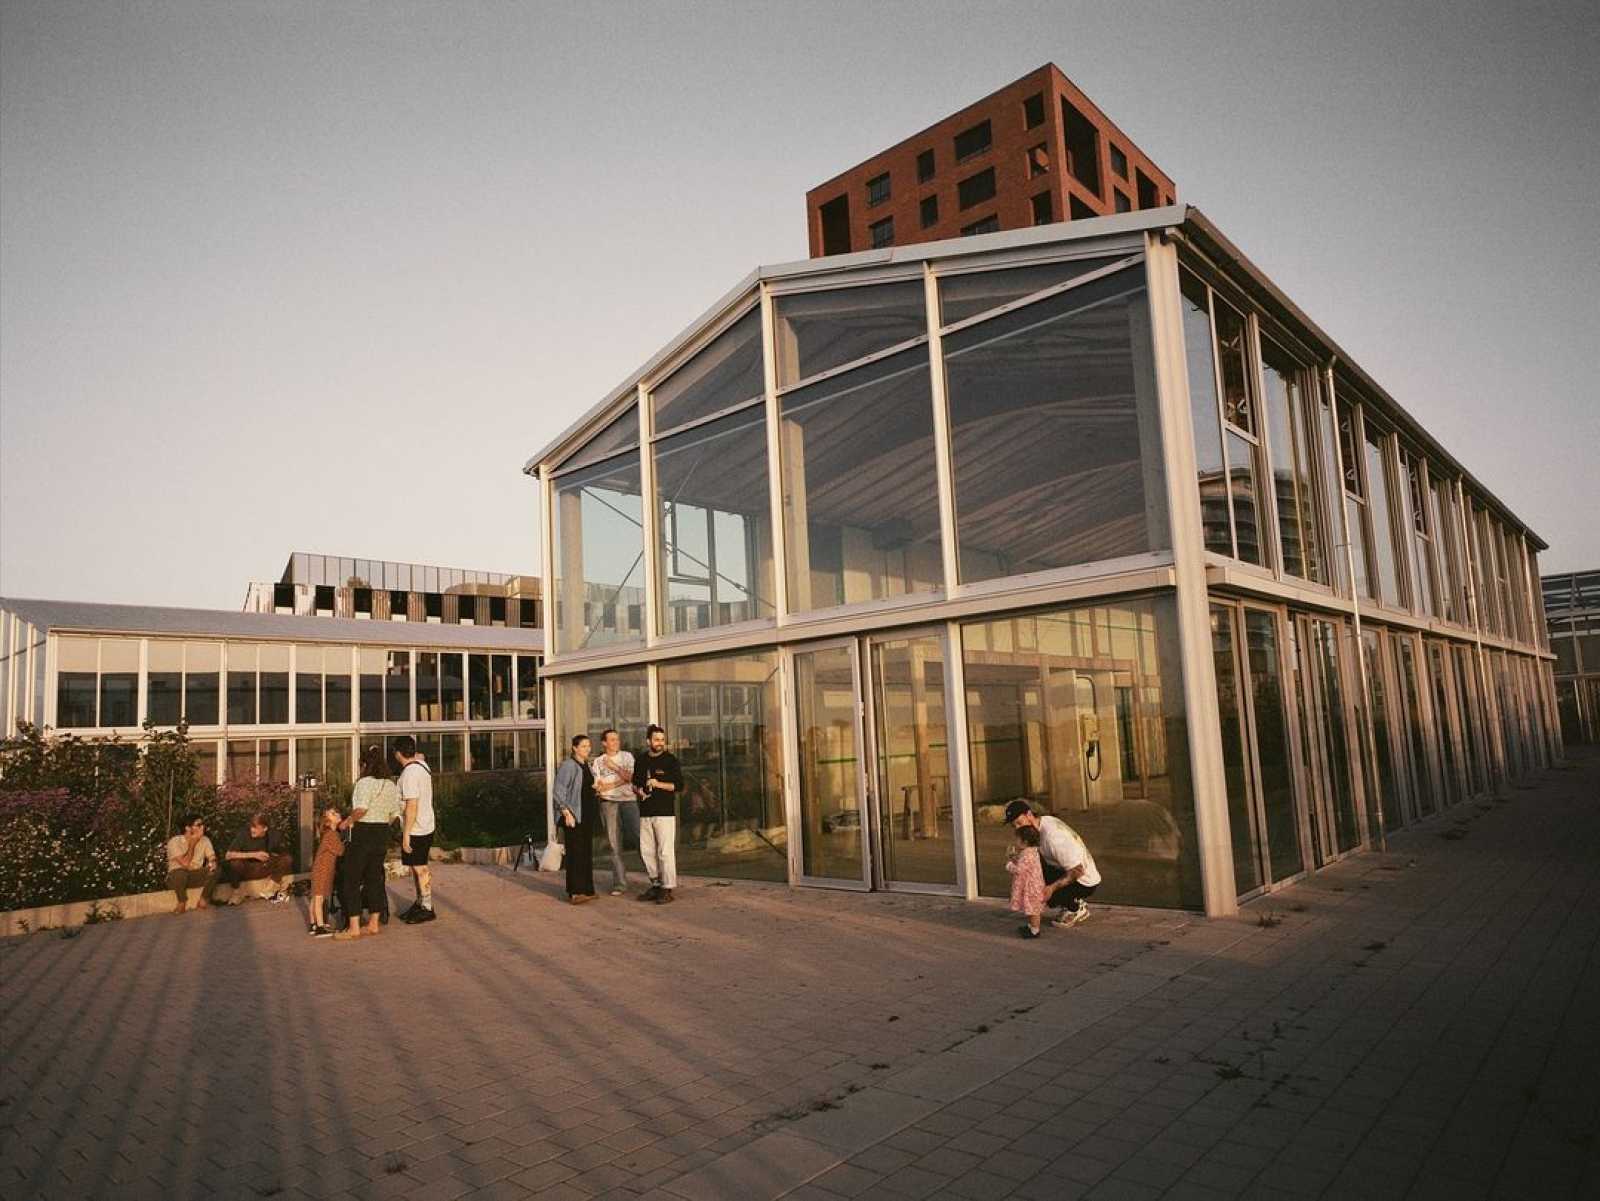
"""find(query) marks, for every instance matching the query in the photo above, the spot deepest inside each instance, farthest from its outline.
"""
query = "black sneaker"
(1027, 932)
(651, 893)
(405, 914)
(383, 918)
(321, 932)
(417, 915)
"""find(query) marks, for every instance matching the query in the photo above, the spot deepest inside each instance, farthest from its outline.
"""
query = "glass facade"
(931, 513)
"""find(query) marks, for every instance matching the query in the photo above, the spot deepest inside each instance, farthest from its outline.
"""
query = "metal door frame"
(863, 882)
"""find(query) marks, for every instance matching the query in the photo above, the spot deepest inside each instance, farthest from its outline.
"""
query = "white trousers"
(658, 844)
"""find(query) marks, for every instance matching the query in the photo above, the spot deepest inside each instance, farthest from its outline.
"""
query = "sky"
(298, 275)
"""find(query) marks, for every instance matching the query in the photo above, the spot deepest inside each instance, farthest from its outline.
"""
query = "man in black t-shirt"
(254, 854)
(658, 780)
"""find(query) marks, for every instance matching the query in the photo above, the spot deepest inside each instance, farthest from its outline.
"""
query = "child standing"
(1027, 879)
(322, 869)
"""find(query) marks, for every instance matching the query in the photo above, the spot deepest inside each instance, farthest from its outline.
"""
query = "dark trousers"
(363, 886)
(1066, 898)
(579, 854)
(181, 880)
(273, 867)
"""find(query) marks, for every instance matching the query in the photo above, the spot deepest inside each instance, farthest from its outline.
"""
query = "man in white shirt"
(619, 810)
(416, 826)
(1069, 871)
(191, 862)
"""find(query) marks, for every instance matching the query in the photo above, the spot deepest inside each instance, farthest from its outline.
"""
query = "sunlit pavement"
(1417, 1024)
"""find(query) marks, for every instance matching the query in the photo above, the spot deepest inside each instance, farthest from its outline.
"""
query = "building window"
(984, 225)
(881, 233)
(1033, 110)
(1083, 147)
(323, 600)
(363, 602)
(399, 605)
(528, 614)
(925, 166)
(497, 610)
(530, 697)
(1031, 681)
(1038, 161)
(77, 687)
(974, 141)
(975, 189)
(834, 217)
(598, 553)
(283, 598)
(1043, 213)
(930, 211)
(1119, 161)
(1124, 205)
(1052, 411)
(1077, 210)
(1291, 436)
(877, 189)
(479, 693)
(1148, 199)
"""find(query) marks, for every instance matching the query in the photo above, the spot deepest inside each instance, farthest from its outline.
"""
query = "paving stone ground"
(1422, 1023)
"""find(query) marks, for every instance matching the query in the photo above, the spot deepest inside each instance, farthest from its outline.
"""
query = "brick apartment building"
(1036, 151)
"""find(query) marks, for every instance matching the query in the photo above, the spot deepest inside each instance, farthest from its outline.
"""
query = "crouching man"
(1070, 875)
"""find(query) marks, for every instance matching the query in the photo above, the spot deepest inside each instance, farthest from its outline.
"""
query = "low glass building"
(1572, 610)
(270, 697)
(1088, 514)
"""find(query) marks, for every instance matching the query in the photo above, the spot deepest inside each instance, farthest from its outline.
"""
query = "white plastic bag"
(550, 859)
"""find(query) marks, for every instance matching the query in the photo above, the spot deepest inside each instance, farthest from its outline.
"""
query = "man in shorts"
(416, 826)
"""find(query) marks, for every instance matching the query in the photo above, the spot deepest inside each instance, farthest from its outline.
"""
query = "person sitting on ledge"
(254, 855)
(191, 862)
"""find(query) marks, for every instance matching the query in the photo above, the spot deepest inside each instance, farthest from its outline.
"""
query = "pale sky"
(308, 275)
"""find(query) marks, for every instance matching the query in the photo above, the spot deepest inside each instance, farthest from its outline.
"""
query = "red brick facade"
(1046, 139)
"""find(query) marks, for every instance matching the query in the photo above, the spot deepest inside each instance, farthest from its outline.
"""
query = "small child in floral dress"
(322, 871)
(1027, 879)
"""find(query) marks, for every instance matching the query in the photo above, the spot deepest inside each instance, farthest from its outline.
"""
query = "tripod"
(526, 853)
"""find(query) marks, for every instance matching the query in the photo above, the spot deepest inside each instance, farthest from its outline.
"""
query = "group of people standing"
(631, 795)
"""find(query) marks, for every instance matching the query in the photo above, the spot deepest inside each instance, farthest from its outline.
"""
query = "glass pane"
(164, 695)
(967, 295)
(913, 760)
(1054, 440)
(479, 756)
(202, 664)
(452, 688)
(1232, 357)
(500, 704)
(1247, 508)
(1380, 498)
(1390, 789)
(205, 762)
(1214, 519)
(723, 723)
(76, 696)
(428, 686)
(590, 703)
(478, 696)
(716, 531)
(451, 756)
(241, 692)
(530, 697)
(1327, 443)
(1230, 712)
(831, 814)
(272, 763)
(241, 761)
(1287, 416)
(397, 687)
(1080, 712)
(860, 486)
(599, 555)
(274, 685)
(726, 372)
(1336, 732)
(308, 758)
(1424, 766)
(818, 331)
(1268, 707)
(336, 684)
(308, 684)
(372, 664)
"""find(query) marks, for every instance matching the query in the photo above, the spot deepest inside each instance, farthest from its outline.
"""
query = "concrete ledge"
(143, 904)
(490, 856)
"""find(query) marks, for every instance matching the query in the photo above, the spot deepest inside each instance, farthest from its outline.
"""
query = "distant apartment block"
(1035, 152)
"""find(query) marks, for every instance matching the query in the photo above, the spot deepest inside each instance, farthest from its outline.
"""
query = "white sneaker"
(277, 898)
(1072, 917)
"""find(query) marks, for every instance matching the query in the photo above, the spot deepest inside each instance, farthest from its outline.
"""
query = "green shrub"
(488, 809)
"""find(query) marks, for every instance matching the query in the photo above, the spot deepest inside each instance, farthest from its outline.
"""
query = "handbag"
(550, 858)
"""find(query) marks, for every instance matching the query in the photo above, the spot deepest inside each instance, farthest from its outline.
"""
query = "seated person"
(191, 862)
(254, 855)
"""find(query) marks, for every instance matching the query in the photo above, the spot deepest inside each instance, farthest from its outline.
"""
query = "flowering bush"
(80, 820)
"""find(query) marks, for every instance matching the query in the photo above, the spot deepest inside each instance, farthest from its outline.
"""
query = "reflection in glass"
(598, 556)
(478, 692)
(241, 761)
(716, 534)
(1247, 508)
(1380, 500)
(428, 686)
(336, 684)
(1445, 719)
(272, 760)
(1473, 728)
(1268, 707)
(452, 687)
(500, 701)
(530, 697)
(1230, 713)
(859, 485)
(397, 687)
(1387, 770)
(308, 684)
(274, 685)
(241, 693)
(119, 682)
(727, 371)
(1214, 515)
(1289, 423)
(587, 704)
(1053, 432)
(1043, 693)
(916, 824)
(832, 816)
(724, 725)
(1424, 767)
(77, 682)
(818, 331)
(1329, 701)
(479, 755)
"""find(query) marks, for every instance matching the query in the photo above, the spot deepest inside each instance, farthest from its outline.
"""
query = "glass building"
(1572, 610)
(1088, 514)
(270, 697)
